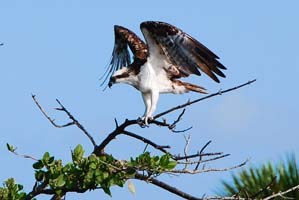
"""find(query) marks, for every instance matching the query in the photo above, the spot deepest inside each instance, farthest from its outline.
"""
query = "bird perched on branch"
(168, 55)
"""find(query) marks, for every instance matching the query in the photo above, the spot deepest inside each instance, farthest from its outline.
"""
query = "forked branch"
(120, 129)
(73, 121)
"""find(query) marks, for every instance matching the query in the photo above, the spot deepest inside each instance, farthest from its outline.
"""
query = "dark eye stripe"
(124, 75)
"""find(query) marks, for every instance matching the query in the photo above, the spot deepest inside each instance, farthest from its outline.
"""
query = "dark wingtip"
(152, 24)
(220, 65)
(217, 80)
(214, 77)
(146, 24)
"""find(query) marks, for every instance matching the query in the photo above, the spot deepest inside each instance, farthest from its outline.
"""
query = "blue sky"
(59, 49)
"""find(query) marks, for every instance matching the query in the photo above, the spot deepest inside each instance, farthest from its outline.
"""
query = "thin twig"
(173, 125)
(147, 141)
(201, 151)
(201, 99)
(166, 187)
(197, 155)
(79, 125)
(45, 114)
(182, 131)
(23, 155)
(74, 121)
(282, 193)
(187, 140)
(100, 148)
(186, 171)
(202, 161)
(215, 158)
(121, 129)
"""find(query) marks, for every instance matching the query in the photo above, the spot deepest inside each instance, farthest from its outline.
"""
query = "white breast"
(152, 76)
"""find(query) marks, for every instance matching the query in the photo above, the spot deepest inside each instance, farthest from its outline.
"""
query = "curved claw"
(146, 119)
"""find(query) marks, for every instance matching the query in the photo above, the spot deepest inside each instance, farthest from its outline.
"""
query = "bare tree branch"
(74, 121)
(280, 194)
(201, 151)
(186, 171)
(23, 155)
(147, 141)
(187, 140)
(166, 187)
(45, 114)
(203, 161)
(201, 99)
(197, 155)
(121, 129)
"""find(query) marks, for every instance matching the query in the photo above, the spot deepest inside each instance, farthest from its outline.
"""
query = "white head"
(123, 75)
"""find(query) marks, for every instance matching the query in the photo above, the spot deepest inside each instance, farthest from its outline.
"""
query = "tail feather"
(192, 87)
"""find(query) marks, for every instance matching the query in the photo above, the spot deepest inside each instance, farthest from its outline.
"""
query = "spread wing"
(124, 39)
(184, 52)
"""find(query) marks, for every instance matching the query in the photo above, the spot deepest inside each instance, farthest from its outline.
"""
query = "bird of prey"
(168, 55)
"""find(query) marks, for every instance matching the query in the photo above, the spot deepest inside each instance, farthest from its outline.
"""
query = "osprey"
(168, 54)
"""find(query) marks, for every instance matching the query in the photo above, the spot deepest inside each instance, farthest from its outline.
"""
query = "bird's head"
(111, 81)
(123, 75)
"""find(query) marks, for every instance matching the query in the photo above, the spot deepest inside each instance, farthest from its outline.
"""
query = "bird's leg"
(147, 102)
(154, 102)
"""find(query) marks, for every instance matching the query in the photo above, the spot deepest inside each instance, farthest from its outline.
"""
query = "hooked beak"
(111, 81)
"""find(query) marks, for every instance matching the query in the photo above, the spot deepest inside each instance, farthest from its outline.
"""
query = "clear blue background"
(59, 49)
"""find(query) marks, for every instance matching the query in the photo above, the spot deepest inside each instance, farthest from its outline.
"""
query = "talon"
(140, 122)
(146, 119)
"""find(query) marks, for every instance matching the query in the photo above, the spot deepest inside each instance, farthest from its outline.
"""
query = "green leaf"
(51, 161)
(89, 175)
(110, 158)
(38, 165)
(107, 191)
(58, 192)
(171, 165)
(46, 157)
(99, 179)
(92, 158)
(10, 147)
(164, 160)
(92, 165)
(60, 181)
(131, 171)
(156, 160)
(20, 187)
(78, 153)
(105, 175)
(39, 175)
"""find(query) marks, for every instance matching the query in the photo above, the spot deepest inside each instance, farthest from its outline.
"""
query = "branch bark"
(74, 121)
(121, 129)
(167, 187)
(201, 99)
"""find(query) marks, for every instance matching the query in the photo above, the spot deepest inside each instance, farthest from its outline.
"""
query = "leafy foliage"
(266, 180)
(87, 173)
(11, 190)
(153, 165)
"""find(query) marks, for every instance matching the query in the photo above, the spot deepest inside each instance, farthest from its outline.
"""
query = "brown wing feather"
(125, 38)
(183, 51)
